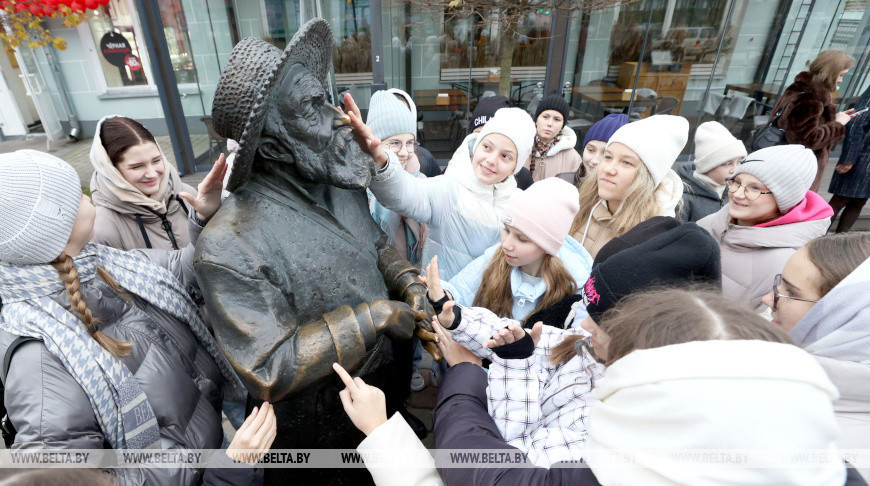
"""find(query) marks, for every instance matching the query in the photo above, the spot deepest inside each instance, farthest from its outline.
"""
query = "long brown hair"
(69, 274)
(838, 255)
(828, 65)
(120, 133)
(661, 317)
(638, 205)
(495, 286)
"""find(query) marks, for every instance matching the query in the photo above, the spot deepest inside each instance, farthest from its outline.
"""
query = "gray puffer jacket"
(49, 409)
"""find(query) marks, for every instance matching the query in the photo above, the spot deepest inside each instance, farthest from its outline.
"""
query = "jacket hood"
(459, 169)
(748, 238)
(838, 326)
(568, 141)
(811, 208)
(110, 179)
(693, 186)
(712, 395)
(668, 194)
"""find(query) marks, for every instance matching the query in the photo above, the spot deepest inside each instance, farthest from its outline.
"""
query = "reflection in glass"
(116, 17)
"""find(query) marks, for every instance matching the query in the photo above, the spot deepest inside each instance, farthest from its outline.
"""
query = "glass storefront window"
(176, 31)
(115, 21)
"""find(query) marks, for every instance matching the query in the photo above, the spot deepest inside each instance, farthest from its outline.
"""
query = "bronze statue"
(295, 273)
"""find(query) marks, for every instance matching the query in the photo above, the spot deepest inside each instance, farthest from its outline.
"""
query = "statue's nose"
(341, 119)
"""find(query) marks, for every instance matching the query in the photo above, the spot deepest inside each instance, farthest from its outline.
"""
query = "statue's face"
(323, 148)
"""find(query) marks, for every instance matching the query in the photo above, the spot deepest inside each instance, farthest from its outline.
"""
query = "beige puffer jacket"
(560, 159)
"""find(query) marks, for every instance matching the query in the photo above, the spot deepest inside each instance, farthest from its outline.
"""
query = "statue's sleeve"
(257, 329)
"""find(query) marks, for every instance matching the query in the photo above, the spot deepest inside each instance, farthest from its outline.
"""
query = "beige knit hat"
(714, 145)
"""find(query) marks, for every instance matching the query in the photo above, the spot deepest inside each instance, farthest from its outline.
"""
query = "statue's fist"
(393, 318)
(415, 296)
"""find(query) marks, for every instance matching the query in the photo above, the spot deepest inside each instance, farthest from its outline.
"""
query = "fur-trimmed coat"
(808, 119)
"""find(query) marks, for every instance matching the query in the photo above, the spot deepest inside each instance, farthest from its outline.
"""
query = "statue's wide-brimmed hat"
(243, 94)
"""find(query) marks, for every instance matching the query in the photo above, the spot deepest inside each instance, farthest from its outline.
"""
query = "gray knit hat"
(787, 170)
(39, 201)
(388, 116)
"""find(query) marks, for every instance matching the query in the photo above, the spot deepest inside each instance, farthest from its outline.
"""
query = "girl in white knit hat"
(771, 214)
(463, 209)
(717, 154)
(634, 182)
(99, 343)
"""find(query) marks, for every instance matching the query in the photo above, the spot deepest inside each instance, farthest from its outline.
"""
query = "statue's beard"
(341, 163)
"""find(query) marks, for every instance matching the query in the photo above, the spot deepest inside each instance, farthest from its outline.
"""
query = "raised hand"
(363, 134)
(452, 351)
(255, 436)
(364, 404)
(433, 280)
(208, 198)
(513, 333)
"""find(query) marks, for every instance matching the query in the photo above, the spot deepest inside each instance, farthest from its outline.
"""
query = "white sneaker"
(417, 382)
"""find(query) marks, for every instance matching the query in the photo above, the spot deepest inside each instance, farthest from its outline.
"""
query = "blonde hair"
(70, 276)
(642, 321)
(495, 286)
(828, 65)
(638, 205)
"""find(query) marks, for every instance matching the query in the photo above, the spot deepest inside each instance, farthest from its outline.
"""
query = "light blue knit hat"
(388, 116)
(39, 201)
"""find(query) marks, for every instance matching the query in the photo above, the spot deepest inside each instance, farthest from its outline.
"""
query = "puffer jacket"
(809, 119)
(698, 199)
(753, 255)
(116, 223)
(465, 284)
(558, 160)
(463, 214)
(50, 410)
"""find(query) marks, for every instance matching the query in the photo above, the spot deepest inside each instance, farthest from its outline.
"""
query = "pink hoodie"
(811, 208)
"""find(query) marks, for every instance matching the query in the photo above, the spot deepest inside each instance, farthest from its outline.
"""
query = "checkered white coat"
(538, 407)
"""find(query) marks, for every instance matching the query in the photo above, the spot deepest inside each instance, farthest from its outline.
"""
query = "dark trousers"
(851, 208)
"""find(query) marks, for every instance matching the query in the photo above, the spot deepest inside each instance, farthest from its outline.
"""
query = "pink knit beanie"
(544, 212)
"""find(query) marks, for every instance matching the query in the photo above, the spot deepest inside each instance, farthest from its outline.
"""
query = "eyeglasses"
(752, 191)
(777, 281)
(396, 146)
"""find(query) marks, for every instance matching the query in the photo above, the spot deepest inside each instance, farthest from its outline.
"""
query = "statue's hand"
(208, 197)
(393, 318)
(415, 296)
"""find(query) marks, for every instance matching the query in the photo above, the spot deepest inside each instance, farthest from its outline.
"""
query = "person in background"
(593, 146)
(850, 184)
(140, 199)
(554, 151)
(483, 112)
(821, 299)
(428, 165)
(771, 214)
(717, 155)
(634, 182)
(809, 114)
(397, 129)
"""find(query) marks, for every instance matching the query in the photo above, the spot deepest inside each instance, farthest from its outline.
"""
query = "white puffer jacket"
(463, 214)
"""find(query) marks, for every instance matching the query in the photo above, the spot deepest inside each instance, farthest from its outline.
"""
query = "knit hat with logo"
(39, 201)
(788, 172)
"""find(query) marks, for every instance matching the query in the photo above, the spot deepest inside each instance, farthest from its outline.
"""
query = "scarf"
(112, 180)
(710, 183)
(542, 148)
(120, 405)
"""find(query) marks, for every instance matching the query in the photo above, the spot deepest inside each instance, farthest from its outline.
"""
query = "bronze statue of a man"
(295, 273)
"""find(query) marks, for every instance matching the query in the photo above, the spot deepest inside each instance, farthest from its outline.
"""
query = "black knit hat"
(486, 109)
(553, 101)
(641, 232)
(686, 254)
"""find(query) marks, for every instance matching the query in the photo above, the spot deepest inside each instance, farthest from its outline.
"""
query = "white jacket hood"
(739, 395)
(838, 326)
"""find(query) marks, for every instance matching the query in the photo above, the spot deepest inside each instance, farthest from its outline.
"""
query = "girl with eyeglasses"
(822, 299)
(770, 215)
